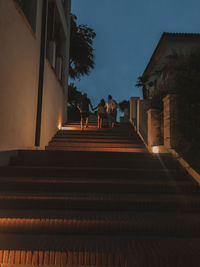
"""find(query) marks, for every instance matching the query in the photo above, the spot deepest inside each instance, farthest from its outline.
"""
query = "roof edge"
(165, 35)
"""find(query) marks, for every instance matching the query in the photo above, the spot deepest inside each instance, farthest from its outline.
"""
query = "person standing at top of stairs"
(84, 110)
(111, 110)
(101, 112)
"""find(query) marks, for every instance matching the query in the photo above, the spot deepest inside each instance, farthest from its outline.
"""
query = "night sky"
(127, 34)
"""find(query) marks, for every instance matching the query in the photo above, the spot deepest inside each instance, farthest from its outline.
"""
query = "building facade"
(34, 45)
(157, 117)
(170, 45)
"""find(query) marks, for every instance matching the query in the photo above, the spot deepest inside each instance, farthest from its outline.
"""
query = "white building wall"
(20, 51)
(53, 105)
(19, 72)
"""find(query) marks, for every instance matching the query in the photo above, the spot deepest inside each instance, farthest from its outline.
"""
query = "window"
(55, 51)
(29, 8)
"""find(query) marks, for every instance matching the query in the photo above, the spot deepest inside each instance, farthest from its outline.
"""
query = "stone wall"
(157, 128)
(171, 119)
(154, 128)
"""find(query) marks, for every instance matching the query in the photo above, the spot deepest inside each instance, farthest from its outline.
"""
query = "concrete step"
(105, 125)
(118, 125)
(103, 149)
(97, 137)
(99, 163)
(91, 144)
(100, 202)
(102, 185)
(137, 224)
(103, 133)
(95, 157)
(100, 251)
(93, 140)
(88, 172)
(80, 155)
(100, 132)
(156, 251)
(89, 207)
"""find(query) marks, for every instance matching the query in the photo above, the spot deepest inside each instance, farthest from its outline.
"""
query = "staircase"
(97, 197)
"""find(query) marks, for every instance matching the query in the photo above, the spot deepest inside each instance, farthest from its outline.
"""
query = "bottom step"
(81, 251)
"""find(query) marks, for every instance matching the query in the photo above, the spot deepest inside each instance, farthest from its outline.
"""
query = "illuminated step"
(103, 224)
(15, 184)
(108, 149)
(94, 162)
(93, 140)
(101, 201)
(81, 155)
(92, 172)
(99, 251)
(95, 144)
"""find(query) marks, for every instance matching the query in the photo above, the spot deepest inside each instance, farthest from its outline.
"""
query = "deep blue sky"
(127, 34)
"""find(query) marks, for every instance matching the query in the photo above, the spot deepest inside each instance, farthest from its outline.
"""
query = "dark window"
(29, 8)
(51, 21)
(55, 41)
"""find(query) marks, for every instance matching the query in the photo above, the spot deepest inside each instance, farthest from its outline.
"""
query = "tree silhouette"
(124, 105)
(81, 49)
(74, 96)
(141, 82)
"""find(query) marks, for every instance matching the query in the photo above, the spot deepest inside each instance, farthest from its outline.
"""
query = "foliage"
(74, 98)
(141, 82)
(81, 49)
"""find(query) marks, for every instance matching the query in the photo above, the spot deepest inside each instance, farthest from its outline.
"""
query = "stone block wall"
(171, 119)
(154, 128)
(159, 128)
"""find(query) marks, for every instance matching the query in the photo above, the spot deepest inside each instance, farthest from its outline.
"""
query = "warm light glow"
(59, 127)
(68, 128)
(155, 149)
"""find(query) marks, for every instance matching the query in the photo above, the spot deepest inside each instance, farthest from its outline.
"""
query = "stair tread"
(93, 215)
(94, 168)
(85, 171)
(108, 149)
(79, 215)
(144, 245)
(95, 144)
(127, 201)
(61, 154)
(97, 181)
(103, 225)
(102, 196)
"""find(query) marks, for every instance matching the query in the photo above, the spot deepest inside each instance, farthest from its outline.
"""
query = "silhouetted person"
(111, 109)
(84, 109)
(101, 112)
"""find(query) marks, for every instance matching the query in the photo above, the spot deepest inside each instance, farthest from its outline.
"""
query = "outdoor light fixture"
(66, 128)
(155, 149)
